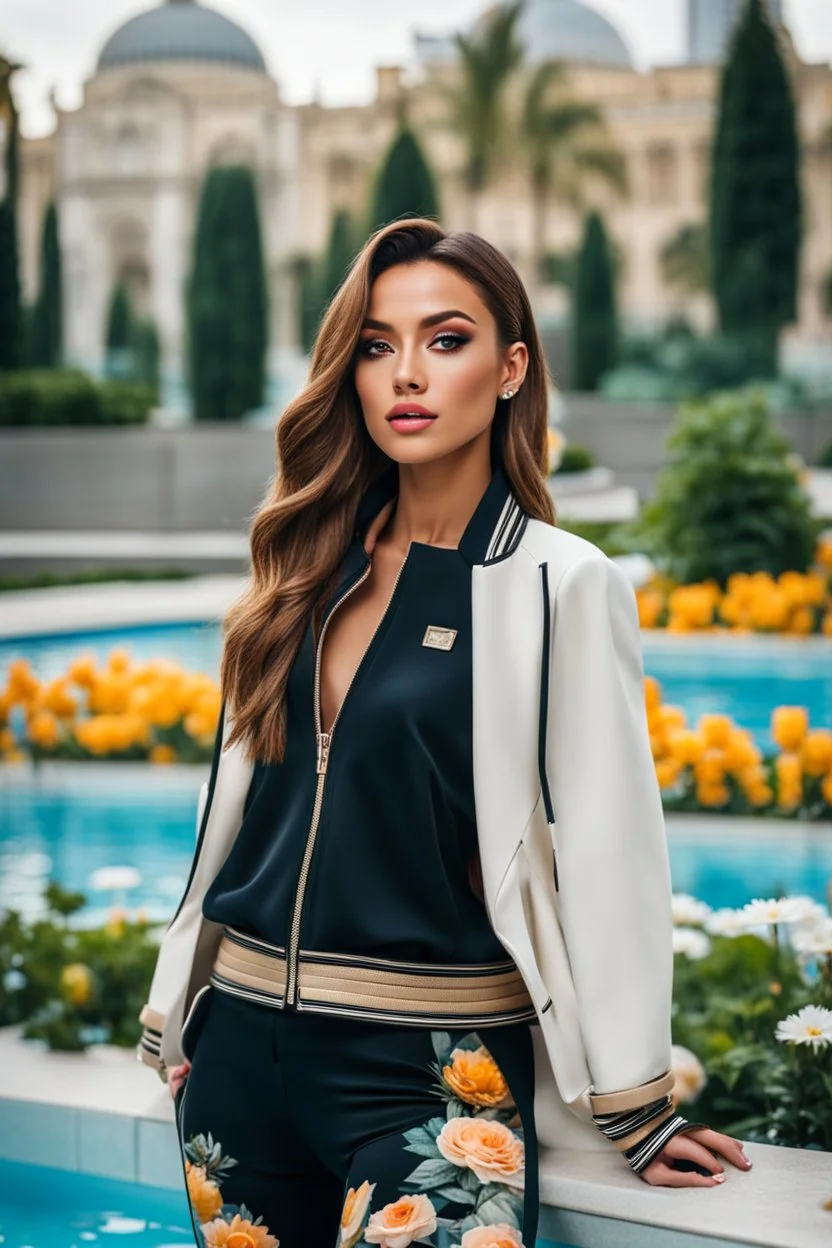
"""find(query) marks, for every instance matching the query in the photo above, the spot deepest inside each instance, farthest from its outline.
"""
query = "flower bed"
(795, 603)
(160, 713)
(752, 1018)
(155, 711)
(752, 1011)
(718, 766)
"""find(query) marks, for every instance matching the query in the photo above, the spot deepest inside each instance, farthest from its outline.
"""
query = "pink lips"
(411, 424)
(410, 417)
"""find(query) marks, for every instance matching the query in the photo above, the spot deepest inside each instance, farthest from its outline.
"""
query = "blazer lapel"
(506, 683)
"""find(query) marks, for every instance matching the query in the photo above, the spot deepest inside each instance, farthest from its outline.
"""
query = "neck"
(437, 499)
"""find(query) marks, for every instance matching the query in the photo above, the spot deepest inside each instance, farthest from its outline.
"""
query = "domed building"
(176, 89)
(566, 30)
(549, 30)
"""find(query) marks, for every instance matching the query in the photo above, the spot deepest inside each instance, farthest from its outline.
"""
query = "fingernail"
(746, 1160)
(719, 1178)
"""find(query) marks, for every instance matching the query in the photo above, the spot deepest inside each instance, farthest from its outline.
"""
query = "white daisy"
(726, 922)
(813, 941)
(811, 1025)
(774, 910)
(691, 942)
(689, 911)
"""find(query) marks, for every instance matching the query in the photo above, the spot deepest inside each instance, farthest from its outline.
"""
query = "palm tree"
(567, 146)
(487, 61)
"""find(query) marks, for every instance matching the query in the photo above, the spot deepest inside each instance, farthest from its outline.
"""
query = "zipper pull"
(323, 739)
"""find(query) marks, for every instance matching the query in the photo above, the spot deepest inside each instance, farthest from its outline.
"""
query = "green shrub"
(824, 460)
(56, 397)
(73, 986)
(576, 459)
(728, 498)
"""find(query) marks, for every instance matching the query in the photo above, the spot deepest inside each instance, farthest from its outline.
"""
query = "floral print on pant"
(464, 1186)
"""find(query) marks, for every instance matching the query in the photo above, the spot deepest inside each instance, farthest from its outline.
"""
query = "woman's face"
(429, 343)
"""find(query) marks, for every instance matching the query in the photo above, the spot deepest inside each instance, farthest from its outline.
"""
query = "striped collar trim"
(493, 531)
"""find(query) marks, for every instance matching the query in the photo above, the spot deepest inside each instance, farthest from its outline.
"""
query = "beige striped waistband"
(373, 988)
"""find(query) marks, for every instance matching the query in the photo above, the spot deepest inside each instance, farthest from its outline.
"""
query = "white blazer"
(570, 825)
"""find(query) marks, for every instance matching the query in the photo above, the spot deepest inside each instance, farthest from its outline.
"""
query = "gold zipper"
(324, 742)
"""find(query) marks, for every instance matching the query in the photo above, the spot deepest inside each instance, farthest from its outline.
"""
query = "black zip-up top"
(360, 841)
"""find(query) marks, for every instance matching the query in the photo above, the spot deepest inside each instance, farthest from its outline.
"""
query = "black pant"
(321, 1129)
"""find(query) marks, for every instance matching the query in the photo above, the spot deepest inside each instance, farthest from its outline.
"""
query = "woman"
(430, 903)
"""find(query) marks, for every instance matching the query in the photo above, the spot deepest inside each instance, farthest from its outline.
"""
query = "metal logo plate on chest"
(439, 638)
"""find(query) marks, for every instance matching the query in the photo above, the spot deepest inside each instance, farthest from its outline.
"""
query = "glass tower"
(710, 23)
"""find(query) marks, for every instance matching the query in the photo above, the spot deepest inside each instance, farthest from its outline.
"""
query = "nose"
(407, 377)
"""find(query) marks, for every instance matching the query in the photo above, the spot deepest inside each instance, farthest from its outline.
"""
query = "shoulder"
(577, 569)
(559, 548)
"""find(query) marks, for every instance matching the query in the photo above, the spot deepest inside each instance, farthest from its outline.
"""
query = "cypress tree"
(147, 354)
(11, 312)
(118, 335)
(594, 317)
(339, 253)
(755, 204)
(404, 186)
(227, 302)
(45, 334)
(119, 319)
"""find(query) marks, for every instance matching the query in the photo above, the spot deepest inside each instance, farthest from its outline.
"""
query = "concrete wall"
(212, 477)
(630, 437)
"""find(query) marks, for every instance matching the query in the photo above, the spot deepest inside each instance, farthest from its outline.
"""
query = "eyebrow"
(425, 322)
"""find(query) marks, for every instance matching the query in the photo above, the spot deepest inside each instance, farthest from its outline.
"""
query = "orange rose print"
(356, 1204)
(238, 1233)
(501, 1235)
(475, 1078)
(204, 1194)
(398, 1224)
(490, 1149)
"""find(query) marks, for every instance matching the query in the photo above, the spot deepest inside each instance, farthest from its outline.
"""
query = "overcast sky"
(323, 47)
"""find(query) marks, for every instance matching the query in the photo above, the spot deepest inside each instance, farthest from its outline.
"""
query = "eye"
(366, 345)
(457, 341)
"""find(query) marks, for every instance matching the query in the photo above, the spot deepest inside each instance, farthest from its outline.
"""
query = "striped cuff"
(641, 1134)
(149, 1048)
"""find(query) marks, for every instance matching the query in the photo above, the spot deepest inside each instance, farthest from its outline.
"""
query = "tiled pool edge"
(106, 1114)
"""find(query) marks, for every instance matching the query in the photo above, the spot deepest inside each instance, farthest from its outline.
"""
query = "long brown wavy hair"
(326, 459)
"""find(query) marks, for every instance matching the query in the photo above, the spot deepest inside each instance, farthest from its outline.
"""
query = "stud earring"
(507, 394)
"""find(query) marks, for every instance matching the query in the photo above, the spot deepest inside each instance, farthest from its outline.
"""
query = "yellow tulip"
(789, 726)
(817, 752)
(44, 729)
(83, 671)
(667, 772)
(685, 745)
(709, 768)
(712, 794)
(163, 754)
(789, 771)
(716, 729)
(801, 621)
(652, 692)
(8, 740)
(672, 717)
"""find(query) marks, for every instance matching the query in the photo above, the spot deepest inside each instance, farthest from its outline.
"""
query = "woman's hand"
(177, 1075)
(695, 1145)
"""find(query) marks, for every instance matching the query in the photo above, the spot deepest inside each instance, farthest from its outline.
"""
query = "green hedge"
(56, 397)
(576, 459)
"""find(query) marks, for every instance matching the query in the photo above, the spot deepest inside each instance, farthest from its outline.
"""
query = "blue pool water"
(67, 829)
(46, 1208)
(742, 677)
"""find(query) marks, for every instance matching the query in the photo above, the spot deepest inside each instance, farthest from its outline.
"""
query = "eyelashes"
(458, 341)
